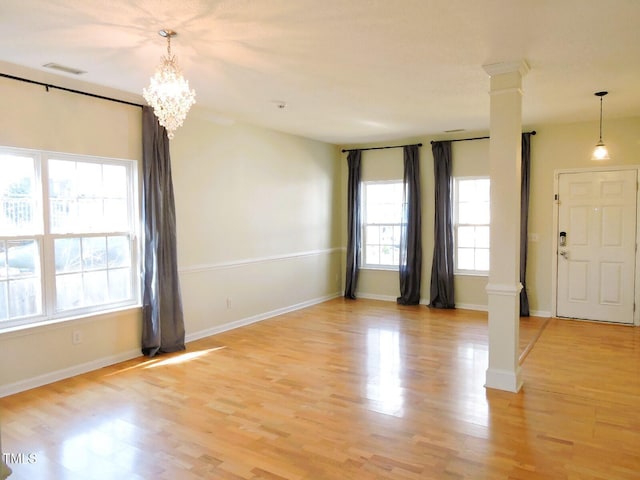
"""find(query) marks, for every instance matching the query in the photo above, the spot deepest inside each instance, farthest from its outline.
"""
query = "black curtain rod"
(381, 148)
(533, 132)
(71, 90)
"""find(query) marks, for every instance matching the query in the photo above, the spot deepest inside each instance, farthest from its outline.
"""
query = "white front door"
(596, 245)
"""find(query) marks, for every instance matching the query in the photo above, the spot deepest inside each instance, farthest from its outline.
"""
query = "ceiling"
(349, 71)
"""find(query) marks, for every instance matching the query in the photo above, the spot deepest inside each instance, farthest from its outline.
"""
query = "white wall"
(66, 122)
(261, 217)
(258, 223)
(471, 159)
(380, 165)
(258, 215)
(556, 146)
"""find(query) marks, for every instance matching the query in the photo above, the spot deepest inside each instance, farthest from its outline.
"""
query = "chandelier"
(169, 93)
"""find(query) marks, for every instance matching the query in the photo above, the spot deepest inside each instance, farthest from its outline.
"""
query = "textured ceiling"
(349, 71)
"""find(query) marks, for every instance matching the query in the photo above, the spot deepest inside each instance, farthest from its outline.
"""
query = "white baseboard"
(373, 296)
(485, 308)
(461, 306)
(386, 298)
(257, 318)
(423, 301)
(472, 306)
(40, 380)
(506, 380)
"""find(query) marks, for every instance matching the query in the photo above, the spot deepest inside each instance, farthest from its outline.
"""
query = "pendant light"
(600, 152)
(169, 93)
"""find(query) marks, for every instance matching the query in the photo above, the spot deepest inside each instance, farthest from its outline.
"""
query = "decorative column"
(503, 289)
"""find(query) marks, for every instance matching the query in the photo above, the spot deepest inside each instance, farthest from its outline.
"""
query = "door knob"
(564, 253)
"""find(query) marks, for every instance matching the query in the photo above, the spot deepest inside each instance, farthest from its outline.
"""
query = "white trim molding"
(258, 260)
(504, 289)
(388, 298)
(40, 380)
(472, 306)
(520, 66)
(504, 380)
(373, 296)
(555, 235)
(191, 337)
(45, 379)
(504, 91)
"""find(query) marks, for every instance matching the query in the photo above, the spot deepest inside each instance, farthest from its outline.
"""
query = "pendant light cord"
(601, 119)
(601, 94)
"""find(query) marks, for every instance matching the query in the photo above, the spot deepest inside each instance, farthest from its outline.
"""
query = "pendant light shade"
(600, 152)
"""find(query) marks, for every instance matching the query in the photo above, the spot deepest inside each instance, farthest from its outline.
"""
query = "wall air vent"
(63, 68)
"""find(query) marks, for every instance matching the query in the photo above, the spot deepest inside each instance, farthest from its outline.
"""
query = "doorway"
(595, 256)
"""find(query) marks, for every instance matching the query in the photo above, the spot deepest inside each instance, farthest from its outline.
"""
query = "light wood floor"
(345, 390)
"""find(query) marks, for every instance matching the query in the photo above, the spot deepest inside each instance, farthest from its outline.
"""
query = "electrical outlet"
(228, 303)
(76, 337)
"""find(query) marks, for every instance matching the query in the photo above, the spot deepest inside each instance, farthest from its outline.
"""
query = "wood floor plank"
(345, 389)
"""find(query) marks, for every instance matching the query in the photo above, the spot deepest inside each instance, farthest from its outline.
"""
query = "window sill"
(51, 324)
(471, 274)
(382, 268)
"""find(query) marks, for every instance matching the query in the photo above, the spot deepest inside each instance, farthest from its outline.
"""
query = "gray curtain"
(411, 234)
(354, 224)
(162, 317)
(524, 220)
(442, 292)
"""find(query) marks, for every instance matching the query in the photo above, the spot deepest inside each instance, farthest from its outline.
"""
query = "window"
(471, 224)
(67, 235)
(382, 217)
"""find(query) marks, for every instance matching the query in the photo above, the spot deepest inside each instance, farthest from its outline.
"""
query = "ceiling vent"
(62, 68)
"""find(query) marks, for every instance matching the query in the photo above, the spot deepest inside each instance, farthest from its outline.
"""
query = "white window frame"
(46, 239)
(457, 224)
(364, 264)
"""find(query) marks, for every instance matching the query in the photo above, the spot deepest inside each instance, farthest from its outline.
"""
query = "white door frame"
(554, 240)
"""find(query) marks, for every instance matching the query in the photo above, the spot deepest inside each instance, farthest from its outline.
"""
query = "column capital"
(520, 66)
(504, 289)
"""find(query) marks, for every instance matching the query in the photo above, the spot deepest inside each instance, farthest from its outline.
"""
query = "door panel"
(611, 283)
(596, 266)
(578, 274)
(578, 225)
(612, 231)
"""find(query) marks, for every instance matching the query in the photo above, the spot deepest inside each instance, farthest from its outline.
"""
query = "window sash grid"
(390, 204)
(45, 238)
(473, 247)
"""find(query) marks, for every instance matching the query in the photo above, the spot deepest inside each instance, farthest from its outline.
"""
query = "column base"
(507, 380)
